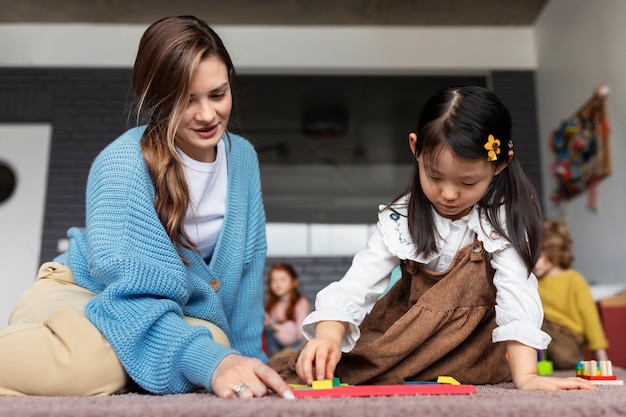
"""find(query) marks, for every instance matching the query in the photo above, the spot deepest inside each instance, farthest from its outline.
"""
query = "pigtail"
(513, 189)
(420, 218)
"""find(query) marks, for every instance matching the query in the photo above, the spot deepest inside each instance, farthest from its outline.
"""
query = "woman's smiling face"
(206, 116)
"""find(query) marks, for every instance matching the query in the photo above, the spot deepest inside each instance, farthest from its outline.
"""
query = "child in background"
(466, 233)
(570, 314)
(285, 311)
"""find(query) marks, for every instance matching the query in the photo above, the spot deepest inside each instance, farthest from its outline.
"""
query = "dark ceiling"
(280, 12)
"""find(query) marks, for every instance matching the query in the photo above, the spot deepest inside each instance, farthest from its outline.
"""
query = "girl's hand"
(243, 377)
(523, 363)
(547, 383)
(322, 353)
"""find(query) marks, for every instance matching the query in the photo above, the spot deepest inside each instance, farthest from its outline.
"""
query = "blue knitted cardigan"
(143, 288)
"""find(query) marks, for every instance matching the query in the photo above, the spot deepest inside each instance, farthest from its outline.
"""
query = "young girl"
(285, 310)
(164, 285)
(571, 316)
(466, 233)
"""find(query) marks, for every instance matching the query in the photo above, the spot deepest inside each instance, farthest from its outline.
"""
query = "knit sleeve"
(145, 283)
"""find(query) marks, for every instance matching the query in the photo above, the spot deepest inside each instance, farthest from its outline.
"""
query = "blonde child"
(570, 314)
(466, 233)
(285, 311)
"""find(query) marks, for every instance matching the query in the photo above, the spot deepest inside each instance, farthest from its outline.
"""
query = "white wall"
(580, 44)
(286, 49)
(319, 239)
(24, 148)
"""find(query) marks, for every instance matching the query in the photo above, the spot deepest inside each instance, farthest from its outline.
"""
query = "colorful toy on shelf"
(598, 373)
(334, 388)
(544, 366)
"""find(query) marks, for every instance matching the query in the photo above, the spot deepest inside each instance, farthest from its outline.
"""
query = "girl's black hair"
(461, 119)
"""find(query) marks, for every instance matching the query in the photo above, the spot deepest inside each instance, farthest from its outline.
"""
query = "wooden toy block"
(299, 386)
(598, 373)
(322, 384)
(600, 380)
(545, 367)
(448, 380)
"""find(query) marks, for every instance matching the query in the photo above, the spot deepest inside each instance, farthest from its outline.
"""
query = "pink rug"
(489, 400)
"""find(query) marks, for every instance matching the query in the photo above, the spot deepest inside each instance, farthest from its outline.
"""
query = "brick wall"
(516, 89)
(86, 108)
(314, 273)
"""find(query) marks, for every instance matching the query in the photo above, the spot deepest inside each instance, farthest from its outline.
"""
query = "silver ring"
(239, 389)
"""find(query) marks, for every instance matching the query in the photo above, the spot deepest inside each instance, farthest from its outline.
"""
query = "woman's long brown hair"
(169, 52)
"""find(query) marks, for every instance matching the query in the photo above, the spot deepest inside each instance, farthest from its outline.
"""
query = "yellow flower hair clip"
(493, 146)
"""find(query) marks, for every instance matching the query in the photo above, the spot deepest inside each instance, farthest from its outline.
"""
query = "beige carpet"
(489, 401)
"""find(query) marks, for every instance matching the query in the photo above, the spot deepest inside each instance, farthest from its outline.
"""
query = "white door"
(24, 148)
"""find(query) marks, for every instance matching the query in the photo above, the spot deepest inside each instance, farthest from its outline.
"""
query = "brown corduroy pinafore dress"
(429, 324)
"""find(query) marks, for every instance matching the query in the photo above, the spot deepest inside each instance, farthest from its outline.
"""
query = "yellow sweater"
(567, 301)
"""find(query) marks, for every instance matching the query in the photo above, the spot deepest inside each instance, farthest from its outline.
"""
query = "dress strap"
(477, 252)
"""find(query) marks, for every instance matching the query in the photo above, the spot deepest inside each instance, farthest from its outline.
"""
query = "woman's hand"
(242, 377)
(322, 353)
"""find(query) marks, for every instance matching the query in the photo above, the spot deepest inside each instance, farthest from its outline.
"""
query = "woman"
(164, 284)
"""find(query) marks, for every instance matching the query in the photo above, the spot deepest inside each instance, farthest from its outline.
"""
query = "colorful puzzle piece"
(325, 383)
(448, 380)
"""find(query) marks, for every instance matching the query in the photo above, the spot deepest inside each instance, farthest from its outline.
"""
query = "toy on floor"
(598, 373)
(544, 366)
(445, 385)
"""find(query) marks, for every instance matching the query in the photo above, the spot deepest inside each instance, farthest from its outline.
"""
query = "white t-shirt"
(207, 182)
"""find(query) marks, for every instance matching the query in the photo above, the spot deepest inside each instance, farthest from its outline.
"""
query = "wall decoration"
(581, 147)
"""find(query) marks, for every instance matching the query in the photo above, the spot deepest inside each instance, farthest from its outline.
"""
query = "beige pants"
(51, 348)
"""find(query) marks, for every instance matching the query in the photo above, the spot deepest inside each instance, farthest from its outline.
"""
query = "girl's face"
(453, 184)
(205, 118)
(281, 282)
